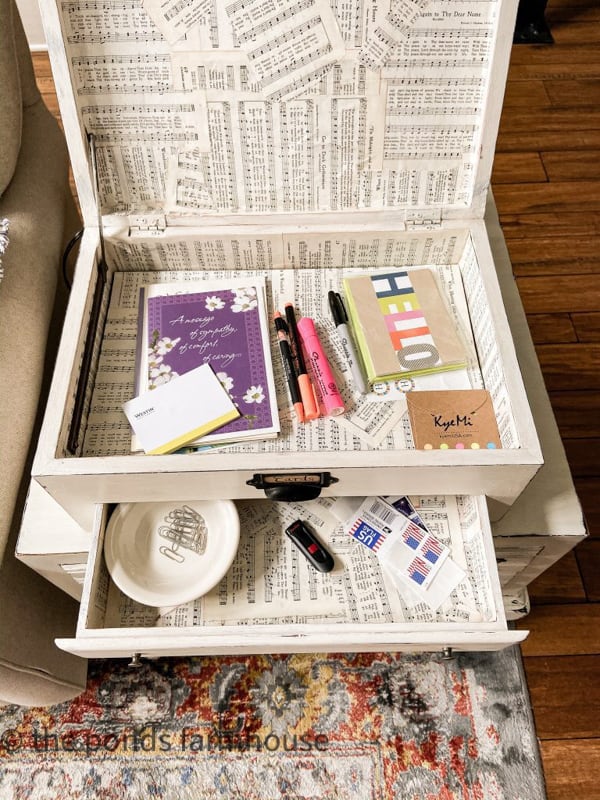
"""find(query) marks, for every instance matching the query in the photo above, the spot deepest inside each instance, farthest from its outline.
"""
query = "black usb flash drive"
(310, 546)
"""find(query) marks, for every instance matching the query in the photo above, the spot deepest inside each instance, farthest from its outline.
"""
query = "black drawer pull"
(292, 487)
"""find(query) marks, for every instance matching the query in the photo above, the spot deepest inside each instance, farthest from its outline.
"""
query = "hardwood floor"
(546, 181)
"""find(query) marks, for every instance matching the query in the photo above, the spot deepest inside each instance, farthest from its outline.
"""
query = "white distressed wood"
(77, 485)
(254, 640)
(493, 109)
(512, 374)
(51, 542)
(52, 438)
(77, 482)
(549, 504)
(46, 527)
(75, 135)
(549, 550)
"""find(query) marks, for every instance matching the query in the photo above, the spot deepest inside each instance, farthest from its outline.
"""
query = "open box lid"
(263, 110)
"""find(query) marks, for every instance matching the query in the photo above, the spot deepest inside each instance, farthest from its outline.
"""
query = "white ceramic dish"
(166, 554)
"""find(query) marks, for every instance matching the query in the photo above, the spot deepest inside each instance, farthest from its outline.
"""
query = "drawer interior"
(301, 268)
(271, 584)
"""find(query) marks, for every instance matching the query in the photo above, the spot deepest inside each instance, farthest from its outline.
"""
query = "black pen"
(340, 319)
(309, 401)
(288, 365)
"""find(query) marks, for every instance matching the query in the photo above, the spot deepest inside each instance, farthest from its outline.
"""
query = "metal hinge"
(147, 224)
(423, 218)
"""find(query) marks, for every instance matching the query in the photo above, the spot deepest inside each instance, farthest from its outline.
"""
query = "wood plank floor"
(546, 181)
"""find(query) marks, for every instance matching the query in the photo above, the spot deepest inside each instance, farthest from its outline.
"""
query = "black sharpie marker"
(340, 319)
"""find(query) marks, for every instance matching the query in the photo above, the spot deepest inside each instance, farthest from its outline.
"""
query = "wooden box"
(324, 139)
(539, 528)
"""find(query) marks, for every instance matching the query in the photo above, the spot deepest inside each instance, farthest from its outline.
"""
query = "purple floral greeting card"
(225, 327)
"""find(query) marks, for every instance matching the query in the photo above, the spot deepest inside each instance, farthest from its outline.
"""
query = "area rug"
(337, 727)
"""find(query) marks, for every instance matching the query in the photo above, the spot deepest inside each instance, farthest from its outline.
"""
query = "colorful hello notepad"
(402, 325)
(224, 324)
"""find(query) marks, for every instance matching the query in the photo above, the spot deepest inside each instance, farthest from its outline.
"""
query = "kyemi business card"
(459, 419)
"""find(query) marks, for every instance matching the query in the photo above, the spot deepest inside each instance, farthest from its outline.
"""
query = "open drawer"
(272, 601)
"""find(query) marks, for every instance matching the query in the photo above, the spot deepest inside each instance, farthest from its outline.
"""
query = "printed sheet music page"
(300, 106)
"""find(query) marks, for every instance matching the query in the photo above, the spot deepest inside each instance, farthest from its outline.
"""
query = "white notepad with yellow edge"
(175, 413)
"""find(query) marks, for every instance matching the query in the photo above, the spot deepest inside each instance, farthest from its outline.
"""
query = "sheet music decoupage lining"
(271, 583)
(317, 107)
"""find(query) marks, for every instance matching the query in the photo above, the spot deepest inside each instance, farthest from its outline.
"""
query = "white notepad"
(175, 413)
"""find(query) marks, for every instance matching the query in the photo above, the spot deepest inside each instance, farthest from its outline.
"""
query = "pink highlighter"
(321, 369)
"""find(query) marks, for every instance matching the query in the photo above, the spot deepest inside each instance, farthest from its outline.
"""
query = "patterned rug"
(335, 727)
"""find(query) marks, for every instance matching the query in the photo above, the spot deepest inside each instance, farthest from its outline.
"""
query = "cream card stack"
(180, 411)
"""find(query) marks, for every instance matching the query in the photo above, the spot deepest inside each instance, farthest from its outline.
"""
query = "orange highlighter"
(307, 392)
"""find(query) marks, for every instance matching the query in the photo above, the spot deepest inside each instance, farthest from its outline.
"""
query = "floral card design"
(225, 328)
